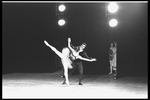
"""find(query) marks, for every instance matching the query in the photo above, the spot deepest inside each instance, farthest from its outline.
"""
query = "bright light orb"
(112, 7)
(113, 22)
(61, 8)
(61, 22)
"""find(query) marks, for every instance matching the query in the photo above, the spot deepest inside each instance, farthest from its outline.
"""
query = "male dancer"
(78, 52)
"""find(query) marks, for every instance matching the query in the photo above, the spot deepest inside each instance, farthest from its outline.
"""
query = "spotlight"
(112, 7)
(61, 8)
(61, 22)
(113, 22)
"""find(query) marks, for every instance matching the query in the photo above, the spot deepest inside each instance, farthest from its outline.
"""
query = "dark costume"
(77, 63)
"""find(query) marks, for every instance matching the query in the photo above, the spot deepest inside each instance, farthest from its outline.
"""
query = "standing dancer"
(66, 62)
(65, 59)
(77, 55)
(113, 56)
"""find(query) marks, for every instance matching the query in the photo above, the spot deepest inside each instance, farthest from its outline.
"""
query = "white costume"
(64, 55)
(113, 61)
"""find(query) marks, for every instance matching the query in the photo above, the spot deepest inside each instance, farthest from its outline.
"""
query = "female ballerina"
(64, 55)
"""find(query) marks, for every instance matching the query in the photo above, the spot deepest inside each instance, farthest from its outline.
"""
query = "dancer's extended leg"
(54, 49)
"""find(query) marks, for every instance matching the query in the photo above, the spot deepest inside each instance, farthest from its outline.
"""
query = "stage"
(48, 85)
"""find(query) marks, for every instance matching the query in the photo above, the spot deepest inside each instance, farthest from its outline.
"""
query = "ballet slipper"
(67, 82)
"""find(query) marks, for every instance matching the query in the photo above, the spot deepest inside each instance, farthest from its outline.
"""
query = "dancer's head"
(111, 44)
(82, 47)
(115, 44)
(66, 51)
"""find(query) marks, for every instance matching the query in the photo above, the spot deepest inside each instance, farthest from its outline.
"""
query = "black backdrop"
(26, 25)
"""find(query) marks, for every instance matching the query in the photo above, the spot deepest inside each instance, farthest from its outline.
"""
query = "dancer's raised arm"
(72, 48)
(69, 45)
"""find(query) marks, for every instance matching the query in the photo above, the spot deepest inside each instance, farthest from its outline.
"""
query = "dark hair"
(84, 44)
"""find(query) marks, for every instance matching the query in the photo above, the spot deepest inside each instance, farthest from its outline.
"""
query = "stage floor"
(48, 85)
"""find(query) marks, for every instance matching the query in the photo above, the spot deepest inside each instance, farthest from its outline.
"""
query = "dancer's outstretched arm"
(54, 49)
(85, 55)
(86, 59)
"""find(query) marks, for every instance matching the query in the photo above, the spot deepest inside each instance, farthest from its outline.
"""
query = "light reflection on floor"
(48, 85)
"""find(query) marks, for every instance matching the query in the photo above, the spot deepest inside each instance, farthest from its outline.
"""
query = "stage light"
(61, 22)
(113, 22)
(61, 8)
(112, 7)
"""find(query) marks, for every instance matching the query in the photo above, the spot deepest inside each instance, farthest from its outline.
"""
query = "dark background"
(25, 26)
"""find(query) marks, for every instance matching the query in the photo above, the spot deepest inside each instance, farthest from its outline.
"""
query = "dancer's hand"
(93, 59)
(69, 39)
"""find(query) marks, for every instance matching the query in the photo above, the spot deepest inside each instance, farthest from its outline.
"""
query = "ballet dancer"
(66, 62)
